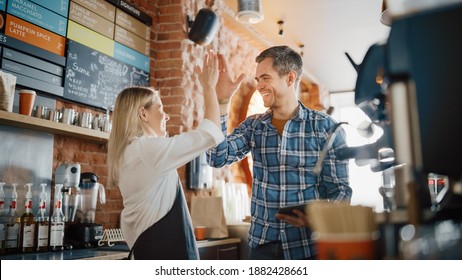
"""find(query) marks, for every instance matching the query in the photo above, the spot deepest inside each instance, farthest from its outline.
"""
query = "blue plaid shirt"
(283, 172)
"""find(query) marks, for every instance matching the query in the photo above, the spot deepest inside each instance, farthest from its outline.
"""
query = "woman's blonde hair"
(126, 125)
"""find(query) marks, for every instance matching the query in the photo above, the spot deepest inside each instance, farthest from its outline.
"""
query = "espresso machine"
(410, 87)
(84, 232)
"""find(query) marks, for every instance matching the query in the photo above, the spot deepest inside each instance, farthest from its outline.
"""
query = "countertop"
(116, 252)
(216, 242)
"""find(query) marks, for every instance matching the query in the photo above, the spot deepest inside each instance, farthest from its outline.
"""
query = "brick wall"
(92, 158)
(173, 57)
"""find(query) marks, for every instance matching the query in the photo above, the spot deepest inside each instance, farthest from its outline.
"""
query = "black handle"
(88, 177)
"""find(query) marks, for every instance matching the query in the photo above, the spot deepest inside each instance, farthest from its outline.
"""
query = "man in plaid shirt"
(285, 142)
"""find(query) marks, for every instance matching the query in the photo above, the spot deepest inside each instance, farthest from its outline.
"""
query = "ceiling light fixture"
(302, 48)
(281, 27)
(249, 11)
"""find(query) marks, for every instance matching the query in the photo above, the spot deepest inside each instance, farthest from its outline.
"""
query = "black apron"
(170, 238)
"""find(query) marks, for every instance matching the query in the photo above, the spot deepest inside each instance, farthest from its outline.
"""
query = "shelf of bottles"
(29, 232)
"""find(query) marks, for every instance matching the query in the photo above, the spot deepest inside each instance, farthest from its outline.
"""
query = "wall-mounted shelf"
(18, 120)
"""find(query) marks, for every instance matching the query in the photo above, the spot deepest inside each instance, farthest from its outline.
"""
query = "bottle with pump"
(57, 222)
(13, 223)
(27, 232)
(42, 222)
(2, 219)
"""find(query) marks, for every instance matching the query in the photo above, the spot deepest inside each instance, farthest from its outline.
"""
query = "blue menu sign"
(38, 15)
(58, 6)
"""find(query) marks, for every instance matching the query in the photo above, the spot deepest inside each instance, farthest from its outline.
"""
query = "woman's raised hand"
(208, 74)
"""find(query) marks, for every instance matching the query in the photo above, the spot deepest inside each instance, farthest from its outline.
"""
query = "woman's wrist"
(223, 101)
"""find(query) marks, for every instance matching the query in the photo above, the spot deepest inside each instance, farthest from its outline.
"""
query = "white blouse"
(148, 175)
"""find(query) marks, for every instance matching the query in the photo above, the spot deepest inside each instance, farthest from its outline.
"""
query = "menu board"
(38, 15)
(95, 79)
(37, 37)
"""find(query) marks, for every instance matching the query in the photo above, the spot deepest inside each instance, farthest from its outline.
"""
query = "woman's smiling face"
(155, 117)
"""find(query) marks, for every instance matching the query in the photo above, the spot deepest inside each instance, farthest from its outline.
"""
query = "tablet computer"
(288, 209)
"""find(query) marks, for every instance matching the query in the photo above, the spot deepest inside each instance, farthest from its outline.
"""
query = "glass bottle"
(2, 219)
(57, 222)
(13, 223)
(27, 232)
(42, 222)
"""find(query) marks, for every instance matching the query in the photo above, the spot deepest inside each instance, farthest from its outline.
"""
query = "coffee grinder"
(84, 232)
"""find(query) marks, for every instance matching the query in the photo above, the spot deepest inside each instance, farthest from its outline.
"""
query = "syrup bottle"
(57, 222)
(27, 232)
(13, 223)
(2, 219)
(42, 222)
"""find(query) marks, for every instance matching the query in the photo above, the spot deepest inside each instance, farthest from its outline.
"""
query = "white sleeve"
(165, 153)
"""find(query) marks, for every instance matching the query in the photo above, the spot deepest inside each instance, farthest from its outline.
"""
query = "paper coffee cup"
(26, 101)
(199, 232)
(346, 246)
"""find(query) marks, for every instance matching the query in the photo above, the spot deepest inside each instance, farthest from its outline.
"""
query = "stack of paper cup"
(7, 86)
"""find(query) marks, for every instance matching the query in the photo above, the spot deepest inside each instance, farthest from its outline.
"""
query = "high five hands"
(226, 86)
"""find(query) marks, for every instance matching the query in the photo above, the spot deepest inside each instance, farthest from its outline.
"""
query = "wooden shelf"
(22, 121)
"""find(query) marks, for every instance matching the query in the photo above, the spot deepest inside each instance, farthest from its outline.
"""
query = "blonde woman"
(143, 163)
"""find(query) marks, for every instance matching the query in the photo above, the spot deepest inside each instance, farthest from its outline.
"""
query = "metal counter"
(116, 252)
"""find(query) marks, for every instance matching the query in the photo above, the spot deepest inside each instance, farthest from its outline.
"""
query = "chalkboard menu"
(95, 79)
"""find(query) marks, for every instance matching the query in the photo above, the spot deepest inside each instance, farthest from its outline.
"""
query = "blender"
(68, 174)
(85, 232)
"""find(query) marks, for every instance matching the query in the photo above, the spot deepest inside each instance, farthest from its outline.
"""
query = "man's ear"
(291, 77)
